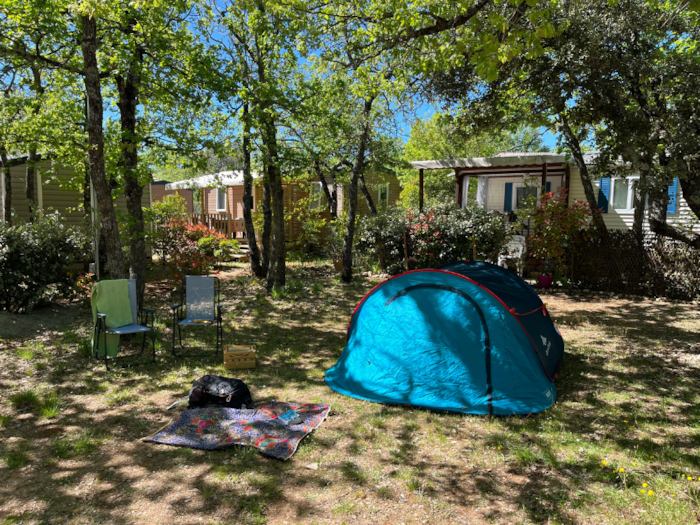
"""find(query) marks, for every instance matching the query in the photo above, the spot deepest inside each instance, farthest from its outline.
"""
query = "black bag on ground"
(212, 390)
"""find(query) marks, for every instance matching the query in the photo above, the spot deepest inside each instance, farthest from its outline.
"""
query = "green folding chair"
(117, 311)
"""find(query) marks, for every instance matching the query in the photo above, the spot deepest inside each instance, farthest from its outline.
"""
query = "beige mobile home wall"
(615, 220)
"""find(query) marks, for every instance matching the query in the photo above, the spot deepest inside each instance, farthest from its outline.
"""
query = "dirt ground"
(71, 449)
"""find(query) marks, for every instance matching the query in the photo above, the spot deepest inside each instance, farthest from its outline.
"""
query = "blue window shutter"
(672, 196)
(604, 193)
(508, 201)
(548, 187)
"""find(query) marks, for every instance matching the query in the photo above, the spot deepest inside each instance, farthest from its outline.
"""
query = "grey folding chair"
(199, 306)
(140, 318)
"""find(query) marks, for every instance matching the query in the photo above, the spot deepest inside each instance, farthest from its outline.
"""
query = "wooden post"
(544, 178)
(229, 205)
(473, 244)
(202, 196)
(567, 176)
(405, 247)
(420, 190)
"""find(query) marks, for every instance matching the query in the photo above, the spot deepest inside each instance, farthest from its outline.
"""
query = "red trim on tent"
(512, 312)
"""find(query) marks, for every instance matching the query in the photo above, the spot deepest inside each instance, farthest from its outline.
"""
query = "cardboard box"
(239, 356)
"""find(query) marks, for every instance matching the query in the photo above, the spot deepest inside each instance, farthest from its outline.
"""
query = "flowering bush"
(83, 286)
(441, 235)
(34, 260)
(555, 224)
(196, 248)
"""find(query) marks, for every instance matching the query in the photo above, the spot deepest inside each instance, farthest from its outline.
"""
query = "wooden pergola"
(543, 165)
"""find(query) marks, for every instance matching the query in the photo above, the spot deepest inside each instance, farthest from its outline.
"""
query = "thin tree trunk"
(128, 89)
(357, 170)
(331, 196)
(276, 269)
(86, 194)
(639, 192)
(30, 184)
(368, 197)
(255, 266)
(108, 217)
(267, 222)
(7, 205)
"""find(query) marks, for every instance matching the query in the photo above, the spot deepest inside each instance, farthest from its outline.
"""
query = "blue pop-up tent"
(469, 337)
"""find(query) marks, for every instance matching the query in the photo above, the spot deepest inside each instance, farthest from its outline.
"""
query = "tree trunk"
(7, 205)
(255, 266)
(86, 194)
(30, 178)
(575, 147)
(331, 196)
(368, 197)
(357, 171)
(128, 89)
(30, 184)
(639, 192)
(96, 160)
(276, 268)
(267, 222)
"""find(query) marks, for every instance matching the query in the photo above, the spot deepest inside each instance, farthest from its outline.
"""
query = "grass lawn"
(619, 446)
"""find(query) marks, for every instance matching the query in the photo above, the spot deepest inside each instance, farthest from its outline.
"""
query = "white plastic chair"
(514, 249)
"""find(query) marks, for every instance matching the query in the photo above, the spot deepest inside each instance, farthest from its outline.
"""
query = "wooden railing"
(220, 222)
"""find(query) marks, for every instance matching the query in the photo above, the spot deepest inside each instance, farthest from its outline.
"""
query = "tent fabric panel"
(519, 296)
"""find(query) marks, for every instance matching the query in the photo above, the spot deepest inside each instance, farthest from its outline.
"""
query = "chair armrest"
(103, 317)
(175, 306)
(145, 313)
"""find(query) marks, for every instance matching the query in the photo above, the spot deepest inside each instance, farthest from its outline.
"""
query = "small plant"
(26, 353)
(82, 445)
(25, 399)
(50, 405)
(14, 458)
(5, 421)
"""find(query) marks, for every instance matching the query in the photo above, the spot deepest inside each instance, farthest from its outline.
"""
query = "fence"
(653, 266)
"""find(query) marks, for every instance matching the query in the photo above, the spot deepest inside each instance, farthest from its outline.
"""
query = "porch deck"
(224, 223)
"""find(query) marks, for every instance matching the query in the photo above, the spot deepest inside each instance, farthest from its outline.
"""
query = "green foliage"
(163, 238)
(441, 235)
(35, 256)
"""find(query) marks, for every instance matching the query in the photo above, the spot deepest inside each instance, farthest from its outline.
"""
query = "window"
(316, 196)
(383, 195)
(622, 194)
(522, 194)
(220, 199)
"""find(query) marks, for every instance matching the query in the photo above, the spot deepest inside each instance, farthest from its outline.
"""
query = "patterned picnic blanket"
(213, 428)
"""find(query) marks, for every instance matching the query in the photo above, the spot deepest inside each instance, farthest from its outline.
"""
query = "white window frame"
(630, 194)
(514, 196)
(219, 192)
(379, 194)
(316, 196)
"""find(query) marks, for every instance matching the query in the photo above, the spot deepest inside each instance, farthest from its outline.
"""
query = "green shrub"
(34, 261)
(441, 235)
(227, 249)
